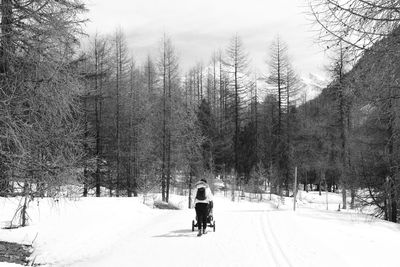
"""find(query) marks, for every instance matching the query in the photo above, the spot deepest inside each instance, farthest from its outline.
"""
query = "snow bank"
(65, 231)
(6, 264)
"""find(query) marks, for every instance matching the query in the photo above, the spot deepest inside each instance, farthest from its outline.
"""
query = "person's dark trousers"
(201, 212)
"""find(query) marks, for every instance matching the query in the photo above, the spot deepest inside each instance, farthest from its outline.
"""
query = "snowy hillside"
(124, 232)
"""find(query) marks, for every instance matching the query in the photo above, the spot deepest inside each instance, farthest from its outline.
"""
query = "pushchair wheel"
(193, 224)
(214, 226)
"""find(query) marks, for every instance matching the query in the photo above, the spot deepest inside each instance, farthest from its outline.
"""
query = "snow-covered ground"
(124, 232)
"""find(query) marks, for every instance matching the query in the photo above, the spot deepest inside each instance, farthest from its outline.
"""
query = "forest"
(93, 117)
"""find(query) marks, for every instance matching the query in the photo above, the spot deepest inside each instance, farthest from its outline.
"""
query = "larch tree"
(121, 65)
(133, 138)
(40, 132)
(276, 79)
(102, 55)
(341, 96)
(150, 75)
(236, 64)
(168, 69)
(293, 86)
(285, 85)
(148, 129)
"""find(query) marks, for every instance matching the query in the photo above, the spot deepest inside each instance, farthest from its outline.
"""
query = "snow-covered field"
(124, 232)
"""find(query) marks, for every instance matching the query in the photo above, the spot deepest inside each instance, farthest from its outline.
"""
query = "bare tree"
(236, 62)
(121, 73)
(276, 76)
(40, 135)
(168, 67)
(338, 71)
(277, 80)
(354, 23)
(101, 57)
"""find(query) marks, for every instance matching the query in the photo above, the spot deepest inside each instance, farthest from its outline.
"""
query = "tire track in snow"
(275, 244)
(271, 249)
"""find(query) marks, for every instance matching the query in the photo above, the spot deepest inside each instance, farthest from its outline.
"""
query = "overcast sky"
(199, 27)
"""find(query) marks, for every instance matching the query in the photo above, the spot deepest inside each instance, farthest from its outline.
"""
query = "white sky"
(198, 28)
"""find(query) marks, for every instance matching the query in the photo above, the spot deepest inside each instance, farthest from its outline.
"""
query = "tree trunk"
(353, 196)
(98, 118)
(24, 211)
(6, 33)
(306, 187)
(117, 117)
(86, 149)
(111, 183)
(342, 130)
(85, 186)
(287, 132)
(131, 133)
(386, 209)
(393, 204)
(221, 96)
(236, 145)
(319, 184)
(164, 142)
(190, 189)
(169, 116)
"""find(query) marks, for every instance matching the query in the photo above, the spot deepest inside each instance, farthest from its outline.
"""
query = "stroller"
(210, 218)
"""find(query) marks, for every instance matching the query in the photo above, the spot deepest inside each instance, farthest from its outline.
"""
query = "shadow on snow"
(179, 233)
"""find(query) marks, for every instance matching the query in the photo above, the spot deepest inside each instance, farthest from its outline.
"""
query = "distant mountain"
(312, 86)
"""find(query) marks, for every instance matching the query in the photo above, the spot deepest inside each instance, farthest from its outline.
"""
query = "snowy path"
(243, 237)
(253, 234)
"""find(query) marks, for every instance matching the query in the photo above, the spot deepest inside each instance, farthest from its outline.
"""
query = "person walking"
(202, 202)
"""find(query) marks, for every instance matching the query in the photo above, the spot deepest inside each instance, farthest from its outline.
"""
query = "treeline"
(149, 126)
(96, 117)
